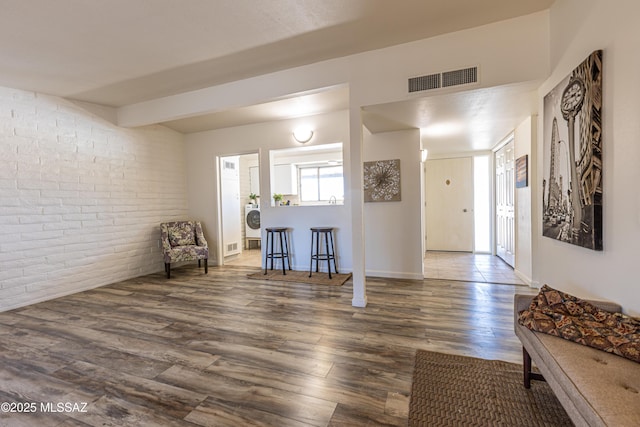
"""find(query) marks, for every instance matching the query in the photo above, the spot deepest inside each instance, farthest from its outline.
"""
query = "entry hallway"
(469, 267)
(224, 350)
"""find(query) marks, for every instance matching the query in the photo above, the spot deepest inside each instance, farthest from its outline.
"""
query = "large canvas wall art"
(572, 174)
(382, 181)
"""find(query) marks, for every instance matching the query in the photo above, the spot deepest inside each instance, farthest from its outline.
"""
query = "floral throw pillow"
(182, 234)
(557, 313)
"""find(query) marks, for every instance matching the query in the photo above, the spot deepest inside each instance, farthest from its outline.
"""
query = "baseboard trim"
(394, 275)
(526, 279)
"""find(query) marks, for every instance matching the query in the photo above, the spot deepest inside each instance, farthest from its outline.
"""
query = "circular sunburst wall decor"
(382, 181)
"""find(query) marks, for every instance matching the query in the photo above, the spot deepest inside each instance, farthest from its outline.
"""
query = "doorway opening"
(241, 231)
(475, 260)
(482, 204)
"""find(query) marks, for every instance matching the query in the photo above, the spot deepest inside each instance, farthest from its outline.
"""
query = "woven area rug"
(450, 390)
(302, 277)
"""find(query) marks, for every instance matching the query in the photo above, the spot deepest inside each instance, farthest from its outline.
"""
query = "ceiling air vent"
(417, 84)
(445, 79)
(460, 77)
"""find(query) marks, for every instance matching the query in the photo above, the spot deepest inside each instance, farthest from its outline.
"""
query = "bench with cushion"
(596, 388)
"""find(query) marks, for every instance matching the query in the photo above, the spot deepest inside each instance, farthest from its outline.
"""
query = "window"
(309, 175)
(321, 183)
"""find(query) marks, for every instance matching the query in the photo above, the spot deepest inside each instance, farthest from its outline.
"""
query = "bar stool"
(329, 253)
(279, 233)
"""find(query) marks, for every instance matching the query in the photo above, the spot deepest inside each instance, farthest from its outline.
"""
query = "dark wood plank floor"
(224, 350)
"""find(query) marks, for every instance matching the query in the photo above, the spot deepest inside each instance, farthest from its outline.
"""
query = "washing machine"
(252, 221)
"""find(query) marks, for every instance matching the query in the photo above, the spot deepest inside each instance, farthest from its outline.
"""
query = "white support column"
(357, 205)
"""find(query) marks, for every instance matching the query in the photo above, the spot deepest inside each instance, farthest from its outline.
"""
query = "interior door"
(230, 200)
(449, 204)
(505, 211)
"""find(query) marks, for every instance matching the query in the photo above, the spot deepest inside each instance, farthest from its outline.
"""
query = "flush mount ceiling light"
(303, 135)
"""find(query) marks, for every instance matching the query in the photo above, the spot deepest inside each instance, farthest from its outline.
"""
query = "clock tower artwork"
(570, 104)
(573, 155)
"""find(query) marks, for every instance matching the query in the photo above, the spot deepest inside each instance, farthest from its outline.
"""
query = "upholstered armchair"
(183, 241)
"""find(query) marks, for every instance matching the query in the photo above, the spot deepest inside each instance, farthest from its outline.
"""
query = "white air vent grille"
(232, 247)
(417, 84)
(445, 79)
(460, 77)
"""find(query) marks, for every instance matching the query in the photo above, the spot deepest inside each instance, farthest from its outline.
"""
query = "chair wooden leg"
(528, 375)
(526, 362)
(198, 263)
(206, 266)
(167, 268)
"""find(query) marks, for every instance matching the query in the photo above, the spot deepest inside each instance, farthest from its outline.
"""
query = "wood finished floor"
(224, 350)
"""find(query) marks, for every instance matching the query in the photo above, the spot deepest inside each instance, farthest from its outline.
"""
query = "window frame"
(318, 167)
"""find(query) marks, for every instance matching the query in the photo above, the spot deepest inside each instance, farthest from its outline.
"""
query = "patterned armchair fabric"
(183, 241)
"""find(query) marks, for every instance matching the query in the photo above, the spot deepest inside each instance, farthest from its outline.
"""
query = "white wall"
(579, 27)
(203, 148)
(524, 138)
(80, 198)
(393, 240)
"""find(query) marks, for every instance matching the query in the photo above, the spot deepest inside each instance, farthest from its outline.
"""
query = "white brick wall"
(81, 199)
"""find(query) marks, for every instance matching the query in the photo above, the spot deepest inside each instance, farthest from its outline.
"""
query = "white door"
(230, 201)
(449, 204)
(505, 218)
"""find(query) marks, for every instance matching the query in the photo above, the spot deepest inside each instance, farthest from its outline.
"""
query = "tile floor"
(248, 258)
(469, 267)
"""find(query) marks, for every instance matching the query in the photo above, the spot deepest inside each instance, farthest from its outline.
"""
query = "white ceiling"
(299, 106)
(119, 52)
(472, 120)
